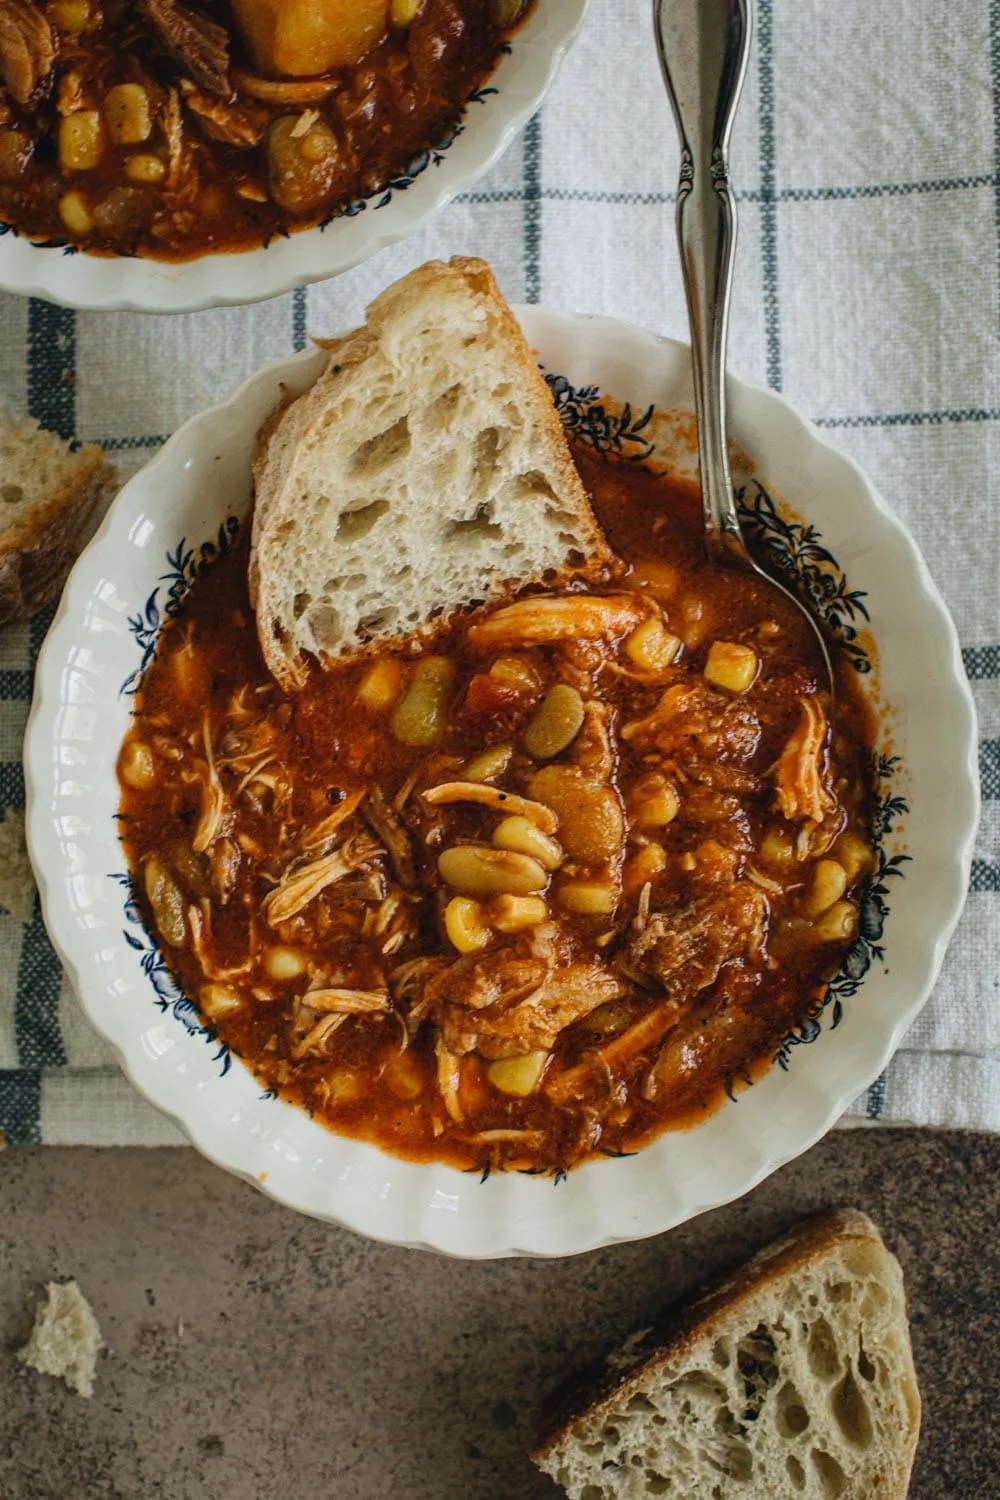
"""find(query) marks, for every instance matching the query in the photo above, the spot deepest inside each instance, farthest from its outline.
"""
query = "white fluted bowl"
(108, 618)
(489, 124)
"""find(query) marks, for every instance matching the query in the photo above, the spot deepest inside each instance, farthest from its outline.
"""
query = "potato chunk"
(300, 38)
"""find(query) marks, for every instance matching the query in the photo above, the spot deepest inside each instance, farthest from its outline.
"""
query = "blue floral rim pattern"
(795, 548)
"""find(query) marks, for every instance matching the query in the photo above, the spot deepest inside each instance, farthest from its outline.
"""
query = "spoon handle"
(703, 47)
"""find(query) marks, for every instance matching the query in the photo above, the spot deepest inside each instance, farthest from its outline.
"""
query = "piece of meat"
(242, 125)
(198, 44)
(27, 49)
(685, 949)
(385, 822)
(801, 783)
(693, 722)
(518, 998)
(593, 750)
(544, 621)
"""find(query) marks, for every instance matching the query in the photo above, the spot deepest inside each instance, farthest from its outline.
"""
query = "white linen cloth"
(867, 154)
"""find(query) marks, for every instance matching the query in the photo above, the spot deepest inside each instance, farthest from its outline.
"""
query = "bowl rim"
(953, 877)
(516, 87)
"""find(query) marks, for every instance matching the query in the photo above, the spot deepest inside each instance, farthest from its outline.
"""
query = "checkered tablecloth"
(868, 154)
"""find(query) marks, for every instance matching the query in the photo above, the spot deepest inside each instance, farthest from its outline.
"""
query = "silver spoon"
(704, 46)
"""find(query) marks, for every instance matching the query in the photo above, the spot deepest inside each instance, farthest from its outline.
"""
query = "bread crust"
(611, 1381)
(37, 553)
(280, 440)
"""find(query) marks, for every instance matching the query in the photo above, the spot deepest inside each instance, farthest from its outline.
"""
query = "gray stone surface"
(255, 1354)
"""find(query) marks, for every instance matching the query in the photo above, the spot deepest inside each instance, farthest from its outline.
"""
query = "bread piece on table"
(426, 470)
(65, 1339)
(48, 494)
(792, 1380)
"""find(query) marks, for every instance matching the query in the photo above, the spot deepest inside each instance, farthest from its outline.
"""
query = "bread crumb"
(17, 883)
(65, 1339)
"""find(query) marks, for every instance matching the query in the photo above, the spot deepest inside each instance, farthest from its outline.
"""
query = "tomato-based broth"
(172, 130)
(533, 890)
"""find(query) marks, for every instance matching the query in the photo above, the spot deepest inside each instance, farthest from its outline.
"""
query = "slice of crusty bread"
(48, 495)
(426, 470)
(65, 1339)
(792, 1380)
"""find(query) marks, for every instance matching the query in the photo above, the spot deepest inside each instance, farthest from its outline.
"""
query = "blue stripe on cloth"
(989, 768)
(20, 1107)
(299, 318)
(122, 444)
(875, 1103)
(981, 662)
(533, 210)
(51, 399)
(623, 196)
(52, 366)
(985, 875)
(768, 202)
(15, 686)
(11, 784)
(939, 418)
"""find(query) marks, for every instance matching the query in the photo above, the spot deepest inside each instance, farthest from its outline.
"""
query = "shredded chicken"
(801, 786)
(198, 44)
(200, 922)
(224, 863)
(495, 798)
(284, 90)
(449, 1074)
(243, 125)
(213, 811)
(649, 1029)
(302, 884)
(385, 822)
(27, 49)
(685, 949)
(346, 1002)
(518, 998)
(693, 721)
(593, 750)
(317, 1036)
(323, 831)
(544, 621)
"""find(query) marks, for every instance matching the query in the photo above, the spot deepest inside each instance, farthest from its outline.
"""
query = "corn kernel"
(126, 109)
(381, 685)
(138, 768)
(514, 913)
(218, 1000)
(403, 1075)
(654, 803)
(81, 141)
(731, 666)
(588, 898)
(829, 882)
(644, 866)
(403, 12)
(651, 646)
(516, 672)
(837, 924)
(463, 922)
(145, 167)
(522, 836)
(284, 963)
(71, 16)
(341, 1086)
(519, 1076)
(687, 863)
(488, 764)
(776, 848)
(854, 854)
